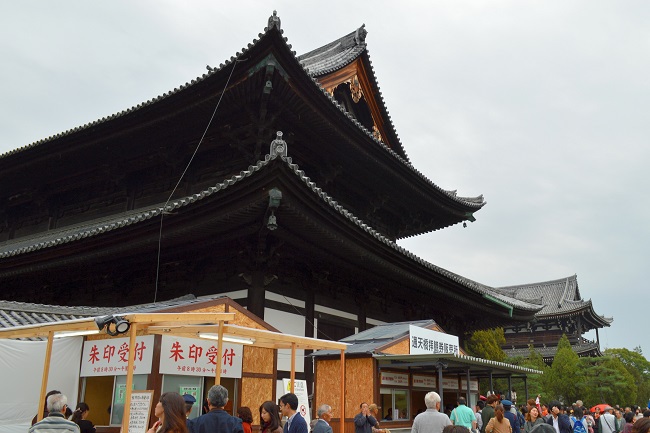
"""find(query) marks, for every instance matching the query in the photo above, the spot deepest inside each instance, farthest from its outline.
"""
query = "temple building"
(563, 312)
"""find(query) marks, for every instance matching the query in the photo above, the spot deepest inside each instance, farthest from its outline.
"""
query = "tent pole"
(46, 373)
(129, 378)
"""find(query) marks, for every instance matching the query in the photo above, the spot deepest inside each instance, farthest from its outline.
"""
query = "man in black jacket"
(560, 421)
(217, 420)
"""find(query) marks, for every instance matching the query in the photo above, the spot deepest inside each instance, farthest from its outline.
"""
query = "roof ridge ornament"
(274, 21)
(360, 35)
(278, 146)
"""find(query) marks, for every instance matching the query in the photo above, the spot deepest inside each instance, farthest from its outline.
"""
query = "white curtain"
(21, 373)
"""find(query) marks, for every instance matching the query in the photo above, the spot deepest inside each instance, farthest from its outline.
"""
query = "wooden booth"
(173, 351)
(395, 366)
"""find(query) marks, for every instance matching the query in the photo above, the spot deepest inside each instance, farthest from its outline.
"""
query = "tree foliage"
(638, 367)
(606, 380)
(487, 344)
(564, 379)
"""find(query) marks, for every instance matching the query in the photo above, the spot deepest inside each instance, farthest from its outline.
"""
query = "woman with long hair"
(532, 419)
(246, 418)
(79, 417)
(270, 418)
(170, 411)
(499, 424)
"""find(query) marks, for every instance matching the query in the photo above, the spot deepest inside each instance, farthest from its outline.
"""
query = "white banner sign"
(424, 381)
(109, 357)
(426, 341)
(198, 357)
(449, 383)
(390, 378)
(300, 389)
(472, 383)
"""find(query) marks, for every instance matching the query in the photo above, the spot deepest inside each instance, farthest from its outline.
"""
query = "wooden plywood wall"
(257, 360)
(400, 348)
(359, 384)
(255, 391)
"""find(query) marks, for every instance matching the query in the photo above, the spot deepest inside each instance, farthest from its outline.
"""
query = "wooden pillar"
(129, 378)
(440, 366)
(46, 374)
(309, 332)
(342, 409)
(293, 366)
(217, 370)
(257, 293)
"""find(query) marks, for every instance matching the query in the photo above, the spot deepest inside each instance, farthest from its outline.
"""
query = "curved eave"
(389, 254)
(586, 310)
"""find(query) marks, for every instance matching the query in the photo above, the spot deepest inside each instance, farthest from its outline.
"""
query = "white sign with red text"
(109, 357)
(198, 357)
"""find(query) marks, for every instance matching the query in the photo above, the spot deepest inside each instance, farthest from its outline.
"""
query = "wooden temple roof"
(307, 217)
(560, 298)
(269, 59)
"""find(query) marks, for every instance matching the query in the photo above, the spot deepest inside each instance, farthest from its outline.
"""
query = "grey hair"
(218, 396)
(56, 402)
(323, 408)
(431, 399)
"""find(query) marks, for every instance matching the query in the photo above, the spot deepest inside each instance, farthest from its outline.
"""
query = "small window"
(395, 404)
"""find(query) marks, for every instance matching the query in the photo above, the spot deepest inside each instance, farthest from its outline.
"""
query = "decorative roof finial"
(360, 35)
(274, 21)
(278, 146)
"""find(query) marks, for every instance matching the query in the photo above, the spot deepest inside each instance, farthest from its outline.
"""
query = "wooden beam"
(161, 319)
(46, 374)
(293, 367)
(217, 378)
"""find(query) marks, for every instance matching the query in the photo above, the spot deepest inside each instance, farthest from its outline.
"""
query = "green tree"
(564, 379)
(606, 380)
(639, 367)
(487, 344)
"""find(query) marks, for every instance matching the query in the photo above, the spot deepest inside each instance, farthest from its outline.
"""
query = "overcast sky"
(543, 107)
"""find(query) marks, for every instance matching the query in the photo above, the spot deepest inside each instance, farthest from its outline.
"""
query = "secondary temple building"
(563, 312)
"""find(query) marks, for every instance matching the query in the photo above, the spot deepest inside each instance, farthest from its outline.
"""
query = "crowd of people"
(492, 415)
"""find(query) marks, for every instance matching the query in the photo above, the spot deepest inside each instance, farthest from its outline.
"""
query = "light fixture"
(227, 339)
(272, 223)
(120, 325)
(76, 333)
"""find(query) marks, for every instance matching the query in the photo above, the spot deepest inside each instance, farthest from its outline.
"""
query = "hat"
(189, 399)
(506, 403)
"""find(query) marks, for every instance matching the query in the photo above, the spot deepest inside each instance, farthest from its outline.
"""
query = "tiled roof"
(335, 55)
(24, 313)
(96, 228)
(368, 341)
(318, 59)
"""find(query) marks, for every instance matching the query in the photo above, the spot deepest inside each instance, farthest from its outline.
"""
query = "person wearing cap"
(607, 421)
(463, 415)
(189, 404)
(512, 417)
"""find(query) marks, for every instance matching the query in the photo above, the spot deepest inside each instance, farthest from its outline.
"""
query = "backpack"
(578, 426)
